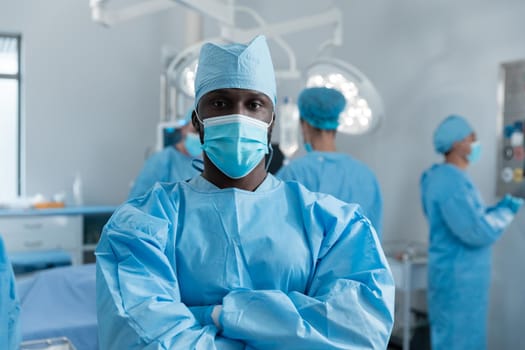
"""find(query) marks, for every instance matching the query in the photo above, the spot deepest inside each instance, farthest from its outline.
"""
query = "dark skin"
(234, 101)
(459, 152)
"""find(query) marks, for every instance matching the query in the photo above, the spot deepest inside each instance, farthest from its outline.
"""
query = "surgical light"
(181, 73)
(364, 108)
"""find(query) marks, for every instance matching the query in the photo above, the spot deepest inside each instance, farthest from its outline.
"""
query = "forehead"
(235, 94)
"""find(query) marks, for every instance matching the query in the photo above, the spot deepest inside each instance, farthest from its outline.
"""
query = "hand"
(215, 314)
(513, 203)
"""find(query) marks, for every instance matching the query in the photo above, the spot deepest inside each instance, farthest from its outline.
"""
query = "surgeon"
(173, 163)
(462, 232)
(235, 258)
(323, 169)
(10, 335)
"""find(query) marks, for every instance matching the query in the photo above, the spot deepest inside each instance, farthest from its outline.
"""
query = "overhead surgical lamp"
(364, 107)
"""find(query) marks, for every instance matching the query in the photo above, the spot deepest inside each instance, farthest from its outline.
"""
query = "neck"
(457, 160)
(248, 183)
(324, 142)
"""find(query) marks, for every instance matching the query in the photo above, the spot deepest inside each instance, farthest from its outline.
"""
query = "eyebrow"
(231, 92)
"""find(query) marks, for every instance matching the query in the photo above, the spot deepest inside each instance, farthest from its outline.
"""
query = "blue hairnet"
(236, 66)
(321, 106)
(453, 129)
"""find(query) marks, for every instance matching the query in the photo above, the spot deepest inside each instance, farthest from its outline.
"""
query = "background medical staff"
(235, 258)
(323, 169)
(9, 305)
(173, 163)
(462, 231)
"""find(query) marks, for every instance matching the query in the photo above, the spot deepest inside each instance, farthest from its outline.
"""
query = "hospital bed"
(57, 303)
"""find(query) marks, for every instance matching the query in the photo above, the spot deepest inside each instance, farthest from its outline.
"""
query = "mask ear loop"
(198, 164)
(270, 148)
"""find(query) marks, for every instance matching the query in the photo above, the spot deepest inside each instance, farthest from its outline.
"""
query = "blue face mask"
(235, 143)
(475, 152)
(308, 147)
(192, 143)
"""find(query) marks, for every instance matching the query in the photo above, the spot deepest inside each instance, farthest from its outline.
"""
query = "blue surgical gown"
(9, 304)
(341, 176)
(292, 269)
(462, 231)
(168, 165)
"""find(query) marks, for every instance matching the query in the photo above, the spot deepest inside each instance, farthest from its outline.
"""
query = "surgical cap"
(236, 66)
(321, 106)
(453, 129)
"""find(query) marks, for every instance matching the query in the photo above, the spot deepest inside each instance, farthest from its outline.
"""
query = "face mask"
(192, 143)
(308, 147)
(475, 152)
(235, 143)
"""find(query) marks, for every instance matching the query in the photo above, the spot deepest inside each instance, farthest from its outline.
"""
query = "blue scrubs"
(9, 304)
(341, 176)
(168, 165)
(293, 270)
(462, 231)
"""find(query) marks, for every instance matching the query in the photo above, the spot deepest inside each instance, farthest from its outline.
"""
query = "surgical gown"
(293, 270)
(462, 231)
(341, 176)
(9, 304)
(168, 165)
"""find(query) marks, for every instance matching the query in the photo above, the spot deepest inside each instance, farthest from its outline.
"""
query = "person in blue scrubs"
(323, 169)
(235, 258)
(10, 335)
(173, 163)
(462, 232)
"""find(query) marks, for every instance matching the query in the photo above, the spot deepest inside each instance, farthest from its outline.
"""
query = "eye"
(218, 103)
(255, 104)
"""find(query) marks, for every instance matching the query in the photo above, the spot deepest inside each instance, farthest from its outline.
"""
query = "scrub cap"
(236, 66)
(321, 106)
(453, 129)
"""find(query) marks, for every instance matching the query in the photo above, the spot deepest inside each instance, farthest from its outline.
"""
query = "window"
(10, 164)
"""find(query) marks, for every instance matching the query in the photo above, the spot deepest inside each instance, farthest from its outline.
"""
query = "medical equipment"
(61, 343)
(364, 107)
(408, 263)
(288, 117)
(511, 146)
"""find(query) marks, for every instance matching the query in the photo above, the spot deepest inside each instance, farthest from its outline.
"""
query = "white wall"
(429, 59)
(91, 101)
(91, 94)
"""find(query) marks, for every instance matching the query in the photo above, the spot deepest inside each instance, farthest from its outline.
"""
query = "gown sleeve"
(138, 298)
(348, 303)
(471, 222)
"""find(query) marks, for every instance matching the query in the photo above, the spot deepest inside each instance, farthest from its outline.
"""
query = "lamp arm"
(220, 11)
(291, 26)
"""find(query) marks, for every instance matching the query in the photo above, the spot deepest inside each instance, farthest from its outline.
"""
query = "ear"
(195, 122)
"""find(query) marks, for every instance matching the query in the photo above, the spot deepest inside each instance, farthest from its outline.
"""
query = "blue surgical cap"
(453, 129)
(236, 66)
(321, 106)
